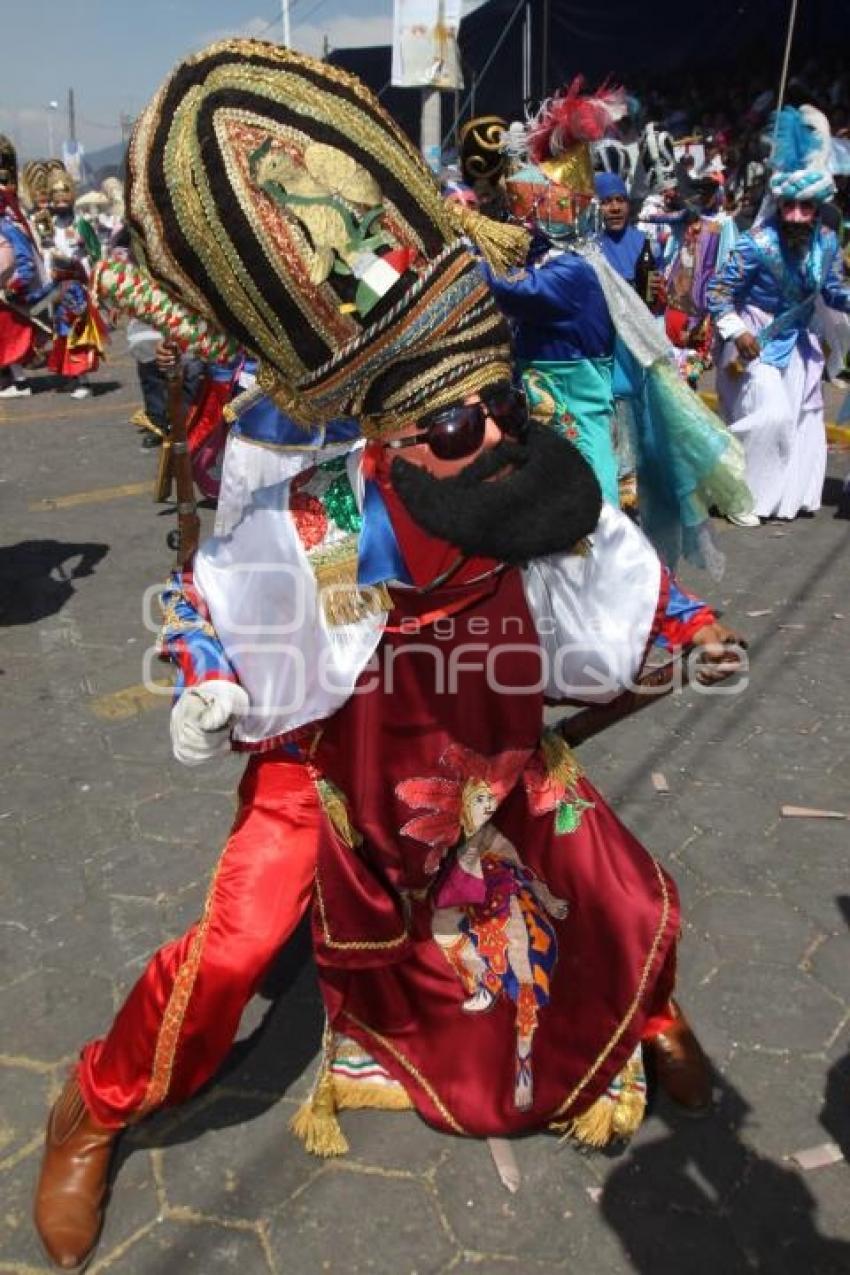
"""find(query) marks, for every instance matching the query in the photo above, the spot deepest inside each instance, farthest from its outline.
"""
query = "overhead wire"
(476, 84)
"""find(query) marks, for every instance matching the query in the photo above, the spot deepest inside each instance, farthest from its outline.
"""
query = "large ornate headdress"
(60, 184)
(552, 182)
(801, 155)
(274, 196)
(33, 182)
(482, 158)
(656, 162)
(8, 162)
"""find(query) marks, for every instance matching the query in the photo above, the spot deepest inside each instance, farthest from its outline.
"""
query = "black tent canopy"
(667, 40)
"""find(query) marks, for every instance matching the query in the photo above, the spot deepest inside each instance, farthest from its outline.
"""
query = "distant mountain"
(106, 162)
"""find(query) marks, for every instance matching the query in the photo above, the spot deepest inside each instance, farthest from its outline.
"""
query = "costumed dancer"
(763, 302)
(457, 860)
(74, 238)
(564, 335)
(628, 251)
(80, 334)
(568, 310)
(22, 284)
(708, 234)
(37, 201)
(483, 162)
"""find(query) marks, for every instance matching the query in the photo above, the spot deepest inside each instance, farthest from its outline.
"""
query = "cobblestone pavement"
(108, 844)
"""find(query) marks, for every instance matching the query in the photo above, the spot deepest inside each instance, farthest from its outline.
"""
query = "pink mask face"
(798, 212)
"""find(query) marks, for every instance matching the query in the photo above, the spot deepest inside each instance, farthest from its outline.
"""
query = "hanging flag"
(72, 158)
(425, 53)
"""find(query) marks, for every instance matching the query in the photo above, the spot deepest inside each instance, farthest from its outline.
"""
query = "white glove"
(201, 720)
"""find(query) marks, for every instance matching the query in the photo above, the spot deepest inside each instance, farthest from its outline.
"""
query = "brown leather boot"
(71, 1191)
(681, 1068)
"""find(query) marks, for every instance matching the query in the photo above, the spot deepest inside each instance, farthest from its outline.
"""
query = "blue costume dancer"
(564, 345)
(763, 302)
(568, 310)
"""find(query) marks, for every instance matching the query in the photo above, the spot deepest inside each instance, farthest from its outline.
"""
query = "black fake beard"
(546, 505)
(797, 236)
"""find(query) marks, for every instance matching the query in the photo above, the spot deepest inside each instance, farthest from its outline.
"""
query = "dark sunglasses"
(456, 432)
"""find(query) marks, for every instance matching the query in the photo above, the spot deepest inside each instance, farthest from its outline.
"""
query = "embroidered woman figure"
(504, 944)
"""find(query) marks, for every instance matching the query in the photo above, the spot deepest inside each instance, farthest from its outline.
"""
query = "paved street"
(108, 843)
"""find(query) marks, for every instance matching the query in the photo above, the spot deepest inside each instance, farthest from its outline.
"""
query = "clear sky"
(115, 53)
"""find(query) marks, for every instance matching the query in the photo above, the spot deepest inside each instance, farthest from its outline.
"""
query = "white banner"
(425, 53)
(72, 158)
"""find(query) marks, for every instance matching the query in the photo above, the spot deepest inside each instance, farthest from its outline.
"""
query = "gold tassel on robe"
(618, 1113)
(315, 1122)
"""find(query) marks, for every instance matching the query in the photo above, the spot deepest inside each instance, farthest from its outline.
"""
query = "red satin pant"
(179, 1021)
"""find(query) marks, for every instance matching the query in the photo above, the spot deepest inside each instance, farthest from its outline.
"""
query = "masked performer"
(707, 236)
(571, 306)
(80, 333)
(487, 933)
(763, 302)
(37, 200)
(22, 283)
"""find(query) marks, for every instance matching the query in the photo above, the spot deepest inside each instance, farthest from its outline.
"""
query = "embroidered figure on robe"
(503, 946)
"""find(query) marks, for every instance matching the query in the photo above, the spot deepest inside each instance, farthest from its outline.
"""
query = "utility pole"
(544, 55)
(326, 47)
(51, 107)
(526, 56)
(430, 134)
(72, 119)
(284, 12)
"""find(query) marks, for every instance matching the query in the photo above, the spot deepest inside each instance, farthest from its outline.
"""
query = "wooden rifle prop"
(654, 685)
(23, 313)
(176, 464)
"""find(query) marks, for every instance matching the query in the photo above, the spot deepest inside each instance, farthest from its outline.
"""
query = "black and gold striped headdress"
(8, 162)
(273, 195)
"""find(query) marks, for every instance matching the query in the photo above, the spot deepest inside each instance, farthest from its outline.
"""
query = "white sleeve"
(594, 612)
(731, 326)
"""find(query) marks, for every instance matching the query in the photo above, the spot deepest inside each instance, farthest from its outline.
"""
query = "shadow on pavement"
(832, 490)
(260, 1068)
(36, 577)
(835, 1116)
(701, 1200)
(50, 383)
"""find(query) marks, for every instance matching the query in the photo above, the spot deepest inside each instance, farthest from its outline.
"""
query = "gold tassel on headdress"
(502, 245)
(315, 1122)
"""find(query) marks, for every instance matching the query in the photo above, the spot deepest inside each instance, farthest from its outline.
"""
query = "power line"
(476, 82)
(305, 17)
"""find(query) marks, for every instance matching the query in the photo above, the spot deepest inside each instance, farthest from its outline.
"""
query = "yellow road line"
(80, 414)
(99, 496)
(131, 701)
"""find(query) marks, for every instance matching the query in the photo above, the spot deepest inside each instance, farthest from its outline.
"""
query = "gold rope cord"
(411, 1070)
(475, 381)
(633, 1007)
(353, 945)
(178, 1004)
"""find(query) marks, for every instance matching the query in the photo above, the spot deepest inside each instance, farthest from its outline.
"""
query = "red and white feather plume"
(571, 116)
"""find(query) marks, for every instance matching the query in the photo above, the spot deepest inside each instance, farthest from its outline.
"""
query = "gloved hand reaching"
(202, 718)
